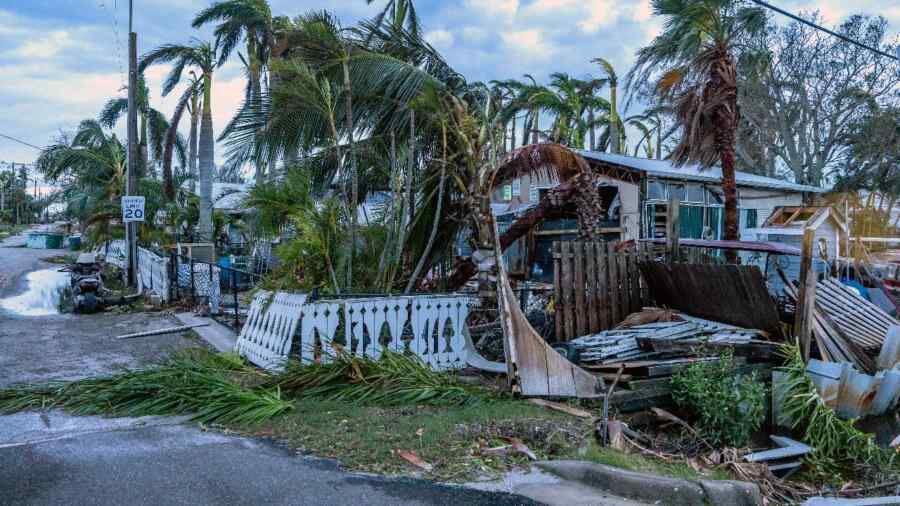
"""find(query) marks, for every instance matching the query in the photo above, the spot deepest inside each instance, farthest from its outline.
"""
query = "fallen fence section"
(153, 269)
(731, 294)
(431, 326)
(533, 367)
(266, 336)
(847, 327)
(595, 287)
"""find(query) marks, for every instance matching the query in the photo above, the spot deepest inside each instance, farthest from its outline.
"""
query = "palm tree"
(250, 20)
(204, 57)
(152, 125)
(91, 168)
(615, 125)
(699, 80)
(400, 14)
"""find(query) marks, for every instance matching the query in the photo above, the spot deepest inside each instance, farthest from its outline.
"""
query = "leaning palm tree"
(699, 79)
(203, 57)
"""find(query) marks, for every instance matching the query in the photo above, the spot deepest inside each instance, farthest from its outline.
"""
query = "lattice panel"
(268, 334)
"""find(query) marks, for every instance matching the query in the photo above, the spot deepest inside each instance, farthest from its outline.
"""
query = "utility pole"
(131, 180)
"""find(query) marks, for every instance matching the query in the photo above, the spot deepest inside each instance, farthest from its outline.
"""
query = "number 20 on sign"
(132, 209)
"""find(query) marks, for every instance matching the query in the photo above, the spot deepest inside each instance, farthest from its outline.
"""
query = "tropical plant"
(728, 407)
(616, 131)
(205, 58)
(692, 63)
(250, 20)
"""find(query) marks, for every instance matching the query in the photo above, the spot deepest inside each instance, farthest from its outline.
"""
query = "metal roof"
(759, 246)
(694, 172)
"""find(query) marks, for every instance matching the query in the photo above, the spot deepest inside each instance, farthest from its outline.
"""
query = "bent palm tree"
(615, 124)
(700, 81)
(204, 57)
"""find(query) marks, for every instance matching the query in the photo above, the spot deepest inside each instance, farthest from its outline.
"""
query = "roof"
(694, 172)
(760, 246)
(229, 197)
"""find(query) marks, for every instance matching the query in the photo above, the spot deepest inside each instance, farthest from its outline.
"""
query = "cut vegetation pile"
(392, 380)
(194, 382)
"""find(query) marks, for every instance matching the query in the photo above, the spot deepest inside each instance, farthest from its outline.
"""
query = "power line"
(20, 141)
(826, 30)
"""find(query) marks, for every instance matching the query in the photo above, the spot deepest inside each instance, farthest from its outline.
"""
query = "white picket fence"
(153, 269)
(429, 326)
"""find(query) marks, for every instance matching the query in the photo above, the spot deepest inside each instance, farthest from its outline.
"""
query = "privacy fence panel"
(596, 287)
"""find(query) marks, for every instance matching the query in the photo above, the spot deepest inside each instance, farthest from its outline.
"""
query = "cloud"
(441, 39)
(530, 45)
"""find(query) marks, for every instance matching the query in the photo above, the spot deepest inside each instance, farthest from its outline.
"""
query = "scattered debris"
(783, 460)
(168, 330)
(853, 394)
(564, 408)
(414, 459)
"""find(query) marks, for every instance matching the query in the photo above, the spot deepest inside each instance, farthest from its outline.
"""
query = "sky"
(61, 60)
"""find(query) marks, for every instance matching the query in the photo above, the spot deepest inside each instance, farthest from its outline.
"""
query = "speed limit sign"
(132, 209)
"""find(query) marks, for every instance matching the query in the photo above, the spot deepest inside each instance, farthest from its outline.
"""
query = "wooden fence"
(595, 287)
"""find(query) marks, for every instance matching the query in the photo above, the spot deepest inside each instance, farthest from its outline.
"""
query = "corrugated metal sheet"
(853, 394)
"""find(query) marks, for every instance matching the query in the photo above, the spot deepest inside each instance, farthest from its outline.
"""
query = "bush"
(727, 408)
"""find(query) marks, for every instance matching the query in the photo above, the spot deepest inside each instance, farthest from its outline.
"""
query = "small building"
(636, 193)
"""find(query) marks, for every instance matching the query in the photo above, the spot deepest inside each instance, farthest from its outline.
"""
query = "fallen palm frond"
(194, 382)
(393, 379)
(835, 440)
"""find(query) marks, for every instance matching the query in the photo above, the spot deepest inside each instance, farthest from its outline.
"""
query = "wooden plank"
(568, 311)
(557, 291)
(613, 286)
(590, 277)
(624, 297)
(581, 318)
(602, 295)
(635, 277)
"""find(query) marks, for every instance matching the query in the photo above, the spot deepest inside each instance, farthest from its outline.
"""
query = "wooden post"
(672, 229)
(806, 300)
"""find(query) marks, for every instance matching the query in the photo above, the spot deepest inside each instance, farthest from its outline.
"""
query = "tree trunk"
(535, 129)
(410, 175)
(207, 163)
(354, 177)
(434, 226)
(144, 169)
(192, 140)
(614, 135)
(512, 140)
(592, 145)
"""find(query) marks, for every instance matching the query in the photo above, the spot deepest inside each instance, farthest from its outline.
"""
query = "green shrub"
(727, 408)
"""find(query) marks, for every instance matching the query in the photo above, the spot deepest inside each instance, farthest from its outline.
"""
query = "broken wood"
(563, 408)
(170, 330)
(807, 297)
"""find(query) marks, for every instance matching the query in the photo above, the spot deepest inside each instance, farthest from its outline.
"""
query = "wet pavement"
(51, 458)
(39, 344)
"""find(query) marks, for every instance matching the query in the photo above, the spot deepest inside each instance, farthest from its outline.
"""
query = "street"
(51, 458)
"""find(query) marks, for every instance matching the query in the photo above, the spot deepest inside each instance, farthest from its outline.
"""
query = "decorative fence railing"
(429, 326)
(595, 287)
(153, 269)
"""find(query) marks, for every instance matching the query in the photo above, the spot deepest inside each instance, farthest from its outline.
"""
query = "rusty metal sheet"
(733, 294)
(890, 350)
(851, 393)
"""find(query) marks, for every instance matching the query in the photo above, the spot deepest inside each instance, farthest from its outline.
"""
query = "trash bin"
(75, 242)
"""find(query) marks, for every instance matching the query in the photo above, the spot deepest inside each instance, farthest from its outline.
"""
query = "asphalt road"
(49, 458)
(156, 462)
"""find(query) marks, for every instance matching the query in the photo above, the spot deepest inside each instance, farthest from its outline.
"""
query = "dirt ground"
(68, 346)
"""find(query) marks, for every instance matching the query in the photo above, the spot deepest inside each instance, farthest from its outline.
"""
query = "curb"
(653, 488)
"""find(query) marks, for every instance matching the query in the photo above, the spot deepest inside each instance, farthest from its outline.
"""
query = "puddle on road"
(42, 296)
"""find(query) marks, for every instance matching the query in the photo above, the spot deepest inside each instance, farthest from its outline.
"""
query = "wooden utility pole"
(131, 180)
(806, 300)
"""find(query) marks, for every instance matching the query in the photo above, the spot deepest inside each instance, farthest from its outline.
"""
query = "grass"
(642, 464)
(365, 438)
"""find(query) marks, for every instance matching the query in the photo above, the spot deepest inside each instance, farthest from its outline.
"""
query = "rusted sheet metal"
(758, 246)
(534, 368)
(734, 294)
(851, 393)
(889, 355)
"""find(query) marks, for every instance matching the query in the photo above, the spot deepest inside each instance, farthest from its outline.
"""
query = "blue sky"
(60, 60)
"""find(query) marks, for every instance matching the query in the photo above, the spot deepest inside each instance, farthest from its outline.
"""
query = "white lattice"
(268, 334)
(436, 324)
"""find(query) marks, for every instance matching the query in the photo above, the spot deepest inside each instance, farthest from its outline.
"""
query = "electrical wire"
(20, 141)
(826, 30)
